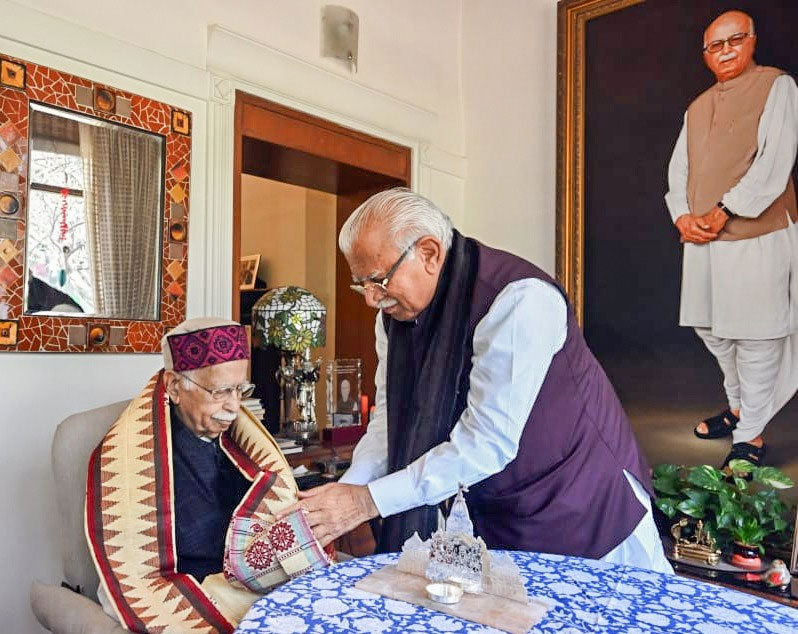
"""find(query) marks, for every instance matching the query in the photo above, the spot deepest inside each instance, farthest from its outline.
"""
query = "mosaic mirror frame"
(22, 82)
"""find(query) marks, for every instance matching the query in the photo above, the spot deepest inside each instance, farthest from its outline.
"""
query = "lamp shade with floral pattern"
(290, 318)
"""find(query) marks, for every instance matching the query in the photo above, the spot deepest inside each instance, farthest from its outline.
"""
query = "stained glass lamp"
(293, 320)
(290, 318)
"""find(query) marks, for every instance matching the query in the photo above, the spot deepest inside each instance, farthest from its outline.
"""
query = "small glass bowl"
(444, 592)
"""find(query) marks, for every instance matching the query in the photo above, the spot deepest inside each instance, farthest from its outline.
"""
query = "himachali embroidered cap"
(199, 343)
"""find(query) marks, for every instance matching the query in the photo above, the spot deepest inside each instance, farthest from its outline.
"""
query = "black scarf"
(426, 362)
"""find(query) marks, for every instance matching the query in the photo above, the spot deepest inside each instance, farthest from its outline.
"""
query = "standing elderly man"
(732, 199)
(184, 485)
(484, 379)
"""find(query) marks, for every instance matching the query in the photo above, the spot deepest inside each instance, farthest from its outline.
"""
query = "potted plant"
(739, 507)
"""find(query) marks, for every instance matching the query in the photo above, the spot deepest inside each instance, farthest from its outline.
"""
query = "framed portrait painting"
(627, 72)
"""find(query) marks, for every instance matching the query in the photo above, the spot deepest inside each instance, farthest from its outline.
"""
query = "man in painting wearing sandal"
(732, 198)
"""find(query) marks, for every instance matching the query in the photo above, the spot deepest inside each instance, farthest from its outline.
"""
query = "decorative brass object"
(104, 100)
(701, 547)
(177, 232)
(98, 335)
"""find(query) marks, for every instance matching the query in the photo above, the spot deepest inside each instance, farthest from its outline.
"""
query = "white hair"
(407, 216)
(185, 382)
(189, 325)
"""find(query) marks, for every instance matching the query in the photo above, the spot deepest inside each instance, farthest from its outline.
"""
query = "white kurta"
(514, 344)
(748, 289)
(745, 289)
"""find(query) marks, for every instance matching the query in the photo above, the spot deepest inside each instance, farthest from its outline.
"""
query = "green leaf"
(666, 485)
(706, 477)
(666, 479)
(699, 496)
(727, 495)
(770, 476)
(691, 508)
(667, 506)
(732, 512)
(741, 483)
(725, 520)
(741, 467)
(779, 524)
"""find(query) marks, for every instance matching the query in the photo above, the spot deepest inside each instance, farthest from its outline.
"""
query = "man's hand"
(694, 229)
(334, 509)
(714, 220)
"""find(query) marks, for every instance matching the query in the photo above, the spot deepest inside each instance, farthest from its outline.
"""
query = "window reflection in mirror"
(94, 226)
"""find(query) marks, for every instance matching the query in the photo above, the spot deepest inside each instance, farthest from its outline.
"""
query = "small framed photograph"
(12, 74)
(343, 392)
(248, 271)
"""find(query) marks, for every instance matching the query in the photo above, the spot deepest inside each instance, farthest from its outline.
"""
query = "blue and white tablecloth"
(584, 595)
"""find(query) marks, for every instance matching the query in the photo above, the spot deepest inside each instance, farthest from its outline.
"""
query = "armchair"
(74, 609)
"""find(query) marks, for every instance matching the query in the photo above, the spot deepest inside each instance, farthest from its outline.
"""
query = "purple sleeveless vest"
(565, 491)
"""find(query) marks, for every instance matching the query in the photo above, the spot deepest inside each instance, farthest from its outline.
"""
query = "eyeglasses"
(377, 285)
(242, 390)
(735, 40)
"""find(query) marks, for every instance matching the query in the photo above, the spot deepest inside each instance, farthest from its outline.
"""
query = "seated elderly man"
(184, 486)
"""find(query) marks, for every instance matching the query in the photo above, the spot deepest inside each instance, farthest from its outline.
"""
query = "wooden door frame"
(269, 121)
(347, 152)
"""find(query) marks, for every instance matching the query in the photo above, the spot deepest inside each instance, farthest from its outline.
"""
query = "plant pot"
(745, 556)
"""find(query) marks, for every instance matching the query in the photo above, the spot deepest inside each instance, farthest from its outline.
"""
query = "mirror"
(95, 193)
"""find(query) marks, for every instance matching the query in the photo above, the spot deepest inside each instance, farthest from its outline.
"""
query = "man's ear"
(432, 255)
(171, 380)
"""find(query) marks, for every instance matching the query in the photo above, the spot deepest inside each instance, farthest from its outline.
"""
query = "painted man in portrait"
(732, 198)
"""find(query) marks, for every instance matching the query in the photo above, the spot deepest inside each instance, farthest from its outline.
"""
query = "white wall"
(509, 62)
(407, 49)
(451, 78)
(409, 64)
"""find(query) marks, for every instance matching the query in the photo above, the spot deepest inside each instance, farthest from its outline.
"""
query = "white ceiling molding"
(299, 84)
(67, 46)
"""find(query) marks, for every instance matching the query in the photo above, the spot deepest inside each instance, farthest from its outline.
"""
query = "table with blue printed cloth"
(584, 596)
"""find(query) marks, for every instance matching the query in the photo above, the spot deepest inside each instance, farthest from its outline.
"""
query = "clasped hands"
(334, 509)
(701, 229)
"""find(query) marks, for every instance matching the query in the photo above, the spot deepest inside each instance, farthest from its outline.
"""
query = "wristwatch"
(725, 209)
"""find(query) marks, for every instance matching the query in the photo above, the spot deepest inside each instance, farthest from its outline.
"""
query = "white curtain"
(122, 192)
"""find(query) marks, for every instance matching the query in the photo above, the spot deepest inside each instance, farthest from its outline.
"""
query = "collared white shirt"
(513, 347)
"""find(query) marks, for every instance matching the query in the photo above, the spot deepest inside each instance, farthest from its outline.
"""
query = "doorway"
(297, 178)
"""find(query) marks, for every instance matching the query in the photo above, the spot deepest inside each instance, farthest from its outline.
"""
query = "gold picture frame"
(248, 271)
(572, 16)
(794, 558)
